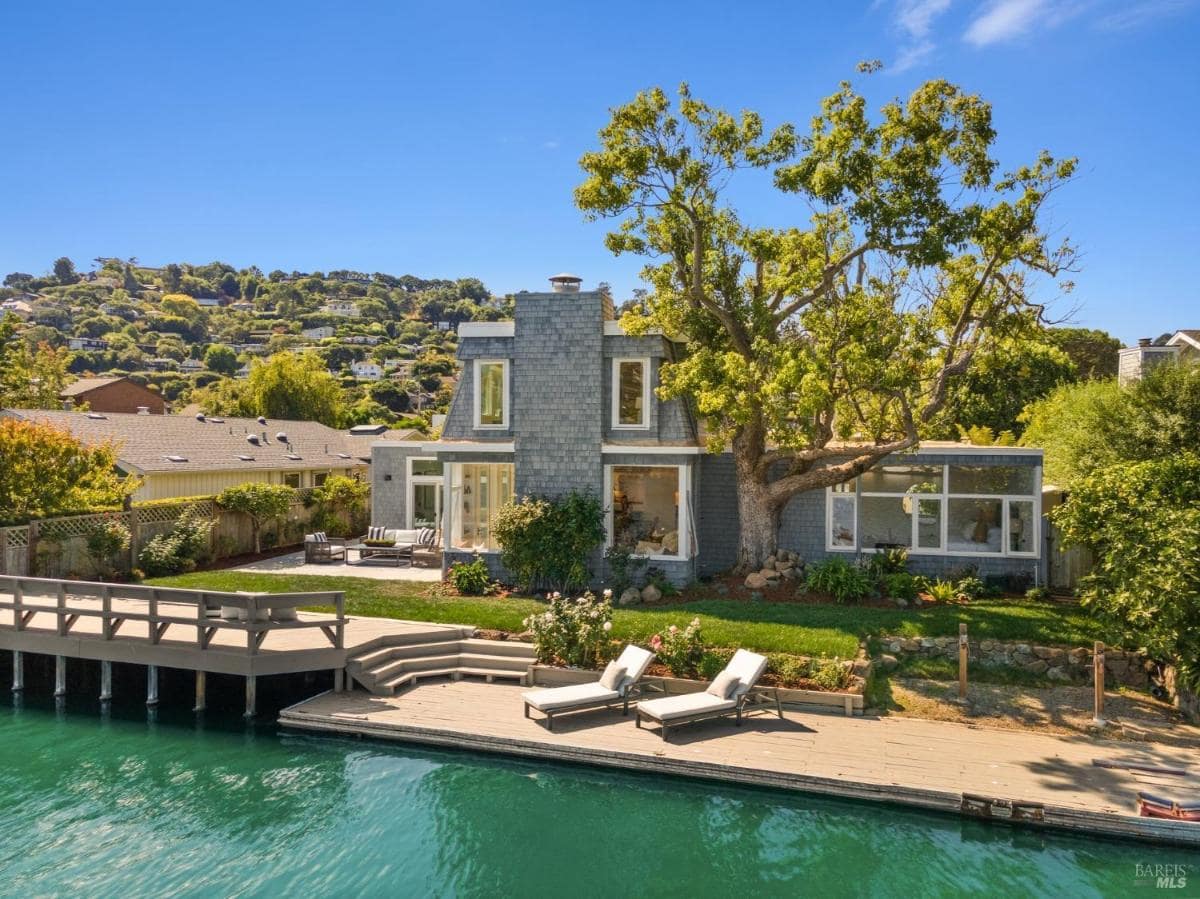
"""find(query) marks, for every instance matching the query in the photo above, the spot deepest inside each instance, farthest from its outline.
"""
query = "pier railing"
(157, 609)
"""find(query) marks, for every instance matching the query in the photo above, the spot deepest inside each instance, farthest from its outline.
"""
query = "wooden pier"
(1012, 776)
(246, 634)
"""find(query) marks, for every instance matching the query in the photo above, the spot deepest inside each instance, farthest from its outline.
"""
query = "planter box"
(808, 700)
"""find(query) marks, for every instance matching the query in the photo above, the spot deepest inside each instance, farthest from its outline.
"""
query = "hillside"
(188, 330)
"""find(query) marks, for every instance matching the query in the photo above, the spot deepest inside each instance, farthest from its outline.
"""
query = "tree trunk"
(758, 515)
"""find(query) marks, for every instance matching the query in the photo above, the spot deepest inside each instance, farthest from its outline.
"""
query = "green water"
(93, 806)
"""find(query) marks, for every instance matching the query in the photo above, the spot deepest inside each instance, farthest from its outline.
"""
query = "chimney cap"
(1144, 341)
(565, 282)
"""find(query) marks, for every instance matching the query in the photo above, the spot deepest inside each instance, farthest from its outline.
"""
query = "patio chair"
(618, 683)
(320, 548)
(1151, 806)
(732, 692)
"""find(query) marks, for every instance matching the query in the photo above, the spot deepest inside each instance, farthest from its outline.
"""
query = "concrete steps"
(383, 669)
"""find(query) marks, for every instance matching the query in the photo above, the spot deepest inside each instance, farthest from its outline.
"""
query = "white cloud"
(1134, 15)
(1004, 20)
(915, 19)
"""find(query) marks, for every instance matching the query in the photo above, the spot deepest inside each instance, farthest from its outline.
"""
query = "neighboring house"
(242, 306)
(562, 399)
(198, 456)
(1135, 361)
(113, 395)
(345, 308)
(317, 333)
(362, 339)
(19, 308)
(86, 344)
(208, 302)
(366, 371)
(191, 365)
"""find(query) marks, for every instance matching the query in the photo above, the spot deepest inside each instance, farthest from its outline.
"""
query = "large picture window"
(647, 515)
(478, 490)
(631, 393)
(937, 510)
(491, 393)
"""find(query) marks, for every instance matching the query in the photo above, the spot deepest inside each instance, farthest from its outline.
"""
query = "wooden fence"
(57, 547)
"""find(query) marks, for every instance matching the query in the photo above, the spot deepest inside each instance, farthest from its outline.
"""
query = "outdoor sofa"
(732, 692)
(394, 543)
(321, 548)
(618, 683)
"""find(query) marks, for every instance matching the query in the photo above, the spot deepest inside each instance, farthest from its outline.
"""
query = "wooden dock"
(1010, 775)
(247, 634)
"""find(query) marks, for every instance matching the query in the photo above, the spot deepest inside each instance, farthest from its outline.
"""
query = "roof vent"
(199, 416)
(261, 420)
(97, 415)
(565, 282)
(281, 437)
(252, 438)
(294, 457)
(245, 458)
(343, 455)
(217, 421)
(176, 458)
(143, 410)
(367, 430)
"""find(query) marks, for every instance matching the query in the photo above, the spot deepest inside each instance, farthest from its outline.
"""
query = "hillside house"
(113, 395)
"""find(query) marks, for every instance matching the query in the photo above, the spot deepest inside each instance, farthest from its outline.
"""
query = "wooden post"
(35, 533)
(151, 685)
(962, 662)
(105, 681)
(251, 695)
(135, 536)
(1098, 677)
(201, 691)
(18, 683)
(60, 676)
(339, 680)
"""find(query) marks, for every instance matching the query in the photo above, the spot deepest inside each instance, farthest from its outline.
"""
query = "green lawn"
(822, 630)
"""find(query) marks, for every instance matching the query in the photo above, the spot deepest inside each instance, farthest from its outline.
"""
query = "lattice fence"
(14, 550)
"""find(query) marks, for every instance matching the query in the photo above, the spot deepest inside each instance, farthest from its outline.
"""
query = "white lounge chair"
(616, 685)
(731, 693)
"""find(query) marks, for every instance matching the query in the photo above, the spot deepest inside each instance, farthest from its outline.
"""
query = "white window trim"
(1005, 499)
(452, 488)
(683, 486)
(617, 425)
(477, 369)
(411, 481)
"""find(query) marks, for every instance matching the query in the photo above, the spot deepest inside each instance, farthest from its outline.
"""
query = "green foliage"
(681, 650)
(221, 359)
(44, 471)
(912, 265)
(623, 567)
(259, 502)
(1141, 522)
(1037, 594)
(941, 590)
(571, 630)
(105, 540)
(342, 506)
(547, 542)
(970, 588)
(793, 670)
(840, 579)
(471, 578)
(885, 562)
(658, 578)
(1093, 352)
(901, 585)
(294, 386)
(179, 549)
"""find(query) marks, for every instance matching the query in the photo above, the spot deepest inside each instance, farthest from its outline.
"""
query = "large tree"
(815, 351)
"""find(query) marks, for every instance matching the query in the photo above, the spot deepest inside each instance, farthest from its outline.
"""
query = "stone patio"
(379, 570)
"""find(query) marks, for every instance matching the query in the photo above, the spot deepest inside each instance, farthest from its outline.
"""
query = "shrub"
(260, 502)
(179, 549)
(682, 651)
(623, 567)
(572, 630)
(341, 506)
(547, 542)
(970, 588)
(471, 578)
(831, 674)
(656, 577)
(1037, 594)
(828, 674)
(105, 540)
(900, 585)
(713, 662)
(941, 591)
(888, 561)
(841, 580)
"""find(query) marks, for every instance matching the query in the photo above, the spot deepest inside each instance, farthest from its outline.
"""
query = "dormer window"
(491, 393)
(631, 393)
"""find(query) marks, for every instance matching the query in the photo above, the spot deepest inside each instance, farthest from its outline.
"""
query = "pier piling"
(201, 691)
(251, 695)
(105, 681)
(60, 676)
(151, 685)
(18, 682)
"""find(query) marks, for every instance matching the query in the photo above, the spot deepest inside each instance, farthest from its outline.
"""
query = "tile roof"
(145, 441)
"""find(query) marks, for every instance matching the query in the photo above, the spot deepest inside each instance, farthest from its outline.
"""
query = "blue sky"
(443, 139)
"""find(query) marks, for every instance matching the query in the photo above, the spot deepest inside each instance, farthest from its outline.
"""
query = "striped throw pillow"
(320, 537)
(425, 537)
(376, 533)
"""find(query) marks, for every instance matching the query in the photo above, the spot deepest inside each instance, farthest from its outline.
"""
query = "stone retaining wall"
(1127, 669)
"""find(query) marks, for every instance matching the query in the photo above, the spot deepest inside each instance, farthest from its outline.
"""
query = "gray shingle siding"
(460, 418)
(389, 499)
(670, 420)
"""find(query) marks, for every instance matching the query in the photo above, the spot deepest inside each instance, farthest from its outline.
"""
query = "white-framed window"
(952, 510)
(425, 487)
(475, 492)
(292, 479)
(648, 510)
(491, 384)
(631, 393)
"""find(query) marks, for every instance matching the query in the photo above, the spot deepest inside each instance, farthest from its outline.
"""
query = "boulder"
(631, 597)
(901, 602)
(770, 562)
(755, 581)
(1043, 652)
(888, 662)
(790, 573)
(650, 593)
(784, 565)
(1078, 656)
(1037, 666)
(1057, 674)
(770, 574)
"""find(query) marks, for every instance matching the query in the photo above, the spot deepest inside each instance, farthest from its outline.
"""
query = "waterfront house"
(562, 399)
(1135, 361)
(178, 455)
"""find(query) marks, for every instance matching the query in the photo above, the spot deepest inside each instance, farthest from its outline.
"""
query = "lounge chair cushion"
(613, 674)
(635, 661)
(566, 697)
(672, 707)
(723, 685)
(749, 667)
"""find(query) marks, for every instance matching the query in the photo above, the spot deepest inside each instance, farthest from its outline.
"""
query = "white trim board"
(465, 446)
(486, 329)
(647, 373)
(650, 449)
(477, 400)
